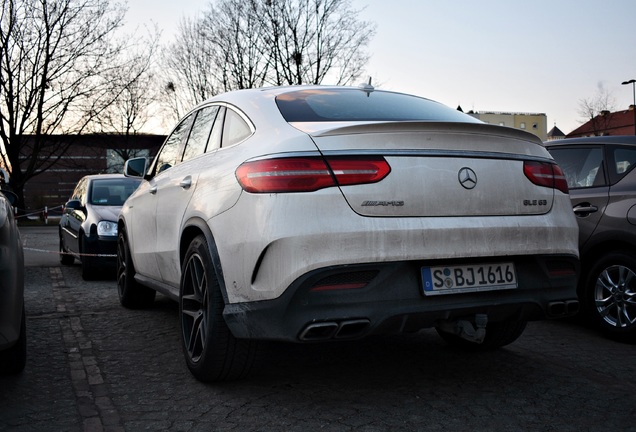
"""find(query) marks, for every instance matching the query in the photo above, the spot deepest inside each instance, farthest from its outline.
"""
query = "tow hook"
(466, 330)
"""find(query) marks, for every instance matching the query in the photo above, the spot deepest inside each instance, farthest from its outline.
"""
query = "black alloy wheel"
(211, 352)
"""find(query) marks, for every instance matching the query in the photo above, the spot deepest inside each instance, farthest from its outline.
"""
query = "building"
(67, 159)
(555, 134)
(535, 123)
(607, 123)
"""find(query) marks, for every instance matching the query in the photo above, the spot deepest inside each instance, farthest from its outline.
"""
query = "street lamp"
(632, 82)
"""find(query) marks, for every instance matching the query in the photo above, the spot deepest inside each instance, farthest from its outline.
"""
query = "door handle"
(584, 209)
(186, 182)
(153, 190)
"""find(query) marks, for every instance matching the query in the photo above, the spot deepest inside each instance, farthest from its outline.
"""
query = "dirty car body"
(315, 213)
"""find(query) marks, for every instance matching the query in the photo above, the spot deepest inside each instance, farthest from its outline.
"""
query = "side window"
(169, 153)
(235, 129)
(583, 167)
(214, 143)
(623, 162)
(80, 191)
(200, 133)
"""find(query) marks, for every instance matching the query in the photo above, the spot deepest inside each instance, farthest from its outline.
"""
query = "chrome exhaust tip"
(319, 331)
(348, 329)
(352, 329)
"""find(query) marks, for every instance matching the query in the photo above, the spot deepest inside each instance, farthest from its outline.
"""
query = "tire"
(498, 334)
(13, 360)
(132, 294)
(65, 257)
(211, 352)
(610, 295)
(88, 270)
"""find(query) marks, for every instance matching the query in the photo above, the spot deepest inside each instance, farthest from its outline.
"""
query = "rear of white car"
(348, 212)
(463, 223)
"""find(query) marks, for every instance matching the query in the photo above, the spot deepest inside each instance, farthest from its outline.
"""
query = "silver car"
(318, 213)
(13, 337)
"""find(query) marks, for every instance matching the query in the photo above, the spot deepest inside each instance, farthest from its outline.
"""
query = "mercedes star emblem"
(467, 178)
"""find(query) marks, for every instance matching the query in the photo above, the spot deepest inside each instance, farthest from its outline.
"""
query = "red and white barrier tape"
(66, 253)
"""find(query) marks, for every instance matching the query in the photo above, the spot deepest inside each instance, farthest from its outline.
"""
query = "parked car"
(602, 180)
(13, 338)
(88, 226)
(327, 213)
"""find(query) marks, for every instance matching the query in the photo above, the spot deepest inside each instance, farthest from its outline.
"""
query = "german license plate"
(467, 278)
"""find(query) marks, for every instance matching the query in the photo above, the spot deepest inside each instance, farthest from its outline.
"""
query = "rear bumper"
(265, 246)
(392, 301)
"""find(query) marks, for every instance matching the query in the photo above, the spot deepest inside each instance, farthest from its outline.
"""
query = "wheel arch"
(193, 228)
(80, 240)
(592, 253)
(121, 225)
(122, 229)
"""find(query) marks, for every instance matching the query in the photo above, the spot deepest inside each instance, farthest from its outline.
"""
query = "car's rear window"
(327, 105)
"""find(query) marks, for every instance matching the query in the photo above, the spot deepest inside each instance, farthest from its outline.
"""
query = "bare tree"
(134, 83)
(134, 86)
(598, 109)
(312, 40)
(188, 68)
(233, 30)
(240, 44)
(55, 60)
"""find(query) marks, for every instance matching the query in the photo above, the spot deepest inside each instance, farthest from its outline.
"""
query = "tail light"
(308, 174)
(545, 174)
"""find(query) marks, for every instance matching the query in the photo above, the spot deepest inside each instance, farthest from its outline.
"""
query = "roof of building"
(555, 132)
(607, 123)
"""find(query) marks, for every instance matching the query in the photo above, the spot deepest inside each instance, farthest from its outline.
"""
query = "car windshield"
(112, 192)
(327, 105)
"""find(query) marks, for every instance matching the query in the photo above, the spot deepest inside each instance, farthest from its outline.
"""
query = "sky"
(541, 56)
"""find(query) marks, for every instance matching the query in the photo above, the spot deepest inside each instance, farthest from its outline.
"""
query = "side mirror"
(12, 197)
(73, 205)
(136, 167)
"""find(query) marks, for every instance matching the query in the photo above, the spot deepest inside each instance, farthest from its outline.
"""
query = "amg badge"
(382, 203)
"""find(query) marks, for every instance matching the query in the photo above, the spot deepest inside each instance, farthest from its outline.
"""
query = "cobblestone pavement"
(95, 366)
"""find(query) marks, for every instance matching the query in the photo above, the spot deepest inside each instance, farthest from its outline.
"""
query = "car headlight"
(106, 228)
